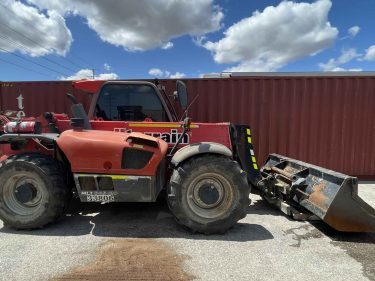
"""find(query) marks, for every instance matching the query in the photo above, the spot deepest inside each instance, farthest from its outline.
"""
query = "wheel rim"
(210, 195)
(22, 194)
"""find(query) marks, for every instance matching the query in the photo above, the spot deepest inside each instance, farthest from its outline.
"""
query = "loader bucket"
(331, 196)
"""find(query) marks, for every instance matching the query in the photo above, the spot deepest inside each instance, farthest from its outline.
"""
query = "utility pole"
(93, 73)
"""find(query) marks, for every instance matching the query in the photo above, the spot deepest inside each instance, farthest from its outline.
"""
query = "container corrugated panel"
(327, 121)
(35, 98)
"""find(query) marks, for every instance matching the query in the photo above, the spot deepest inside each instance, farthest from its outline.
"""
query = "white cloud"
(345, 57)
(199, 40)
(353, 31)
(158, 73)
(87, 74)
(255, 65)
(141, 25)
(107, 67)
(167, 46)
(177, 75)
(47, 29)
(107, 76)
(268, 40)
(343, 69)
(370, 53)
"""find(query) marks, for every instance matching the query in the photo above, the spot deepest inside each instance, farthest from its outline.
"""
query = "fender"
(11, 144)
(199, 148)
(106, 152)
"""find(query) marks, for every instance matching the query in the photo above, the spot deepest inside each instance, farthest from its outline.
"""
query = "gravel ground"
(264, 246)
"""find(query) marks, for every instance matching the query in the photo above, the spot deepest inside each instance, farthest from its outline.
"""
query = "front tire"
(208, 194)
(33, 191)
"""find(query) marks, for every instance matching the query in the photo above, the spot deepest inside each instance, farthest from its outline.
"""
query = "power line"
(88, 65)
(35, 42)
(18, 45)
(36, 63)
(26, 68)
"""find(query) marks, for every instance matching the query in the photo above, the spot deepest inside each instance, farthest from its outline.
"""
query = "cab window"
(129, 102)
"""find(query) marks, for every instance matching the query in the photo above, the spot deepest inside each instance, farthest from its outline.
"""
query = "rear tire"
(208, 194)
(33, 191)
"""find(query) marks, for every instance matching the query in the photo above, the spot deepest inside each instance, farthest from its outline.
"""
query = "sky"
(76, 39)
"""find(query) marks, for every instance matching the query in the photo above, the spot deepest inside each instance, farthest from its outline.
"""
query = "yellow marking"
(166, 125)
(137, 145)
(118, 177)
(114, 177)
(253, 159)
(249, 139)
(255, 166)
(248, 132)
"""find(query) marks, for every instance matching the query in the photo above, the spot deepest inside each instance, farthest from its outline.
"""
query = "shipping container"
(35, 98)
(327, 120)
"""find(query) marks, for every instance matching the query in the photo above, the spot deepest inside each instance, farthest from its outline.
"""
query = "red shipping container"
(327, 120)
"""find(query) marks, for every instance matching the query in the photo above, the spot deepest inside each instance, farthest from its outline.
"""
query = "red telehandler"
(131, 145)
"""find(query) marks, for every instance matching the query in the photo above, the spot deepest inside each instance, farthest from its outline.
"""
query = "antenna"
(185, 113)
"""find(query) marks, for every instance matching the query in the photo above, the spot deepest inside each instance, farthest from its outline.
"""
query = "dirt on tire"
(131, 259)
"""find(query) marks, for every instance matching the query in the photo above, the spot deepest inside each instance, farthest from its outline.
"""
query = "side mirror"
(181, 94)
(79, 114)
(72, 98)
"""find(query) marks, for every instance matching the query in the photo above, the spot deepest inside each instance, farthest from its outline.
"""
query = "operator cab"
(131, 101)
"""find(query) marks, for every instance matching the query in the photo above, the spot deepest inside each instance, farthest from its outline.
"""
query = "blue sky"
(53, 40)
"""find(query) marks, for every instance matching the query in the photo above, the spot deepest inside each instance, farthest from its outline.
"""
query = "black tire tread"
(181, 175)
(59, 193)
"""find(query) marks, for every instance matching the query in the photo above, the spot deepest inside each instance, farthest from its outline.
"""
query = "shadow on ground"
(153, 220)
(262, 207)
(134, 220)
